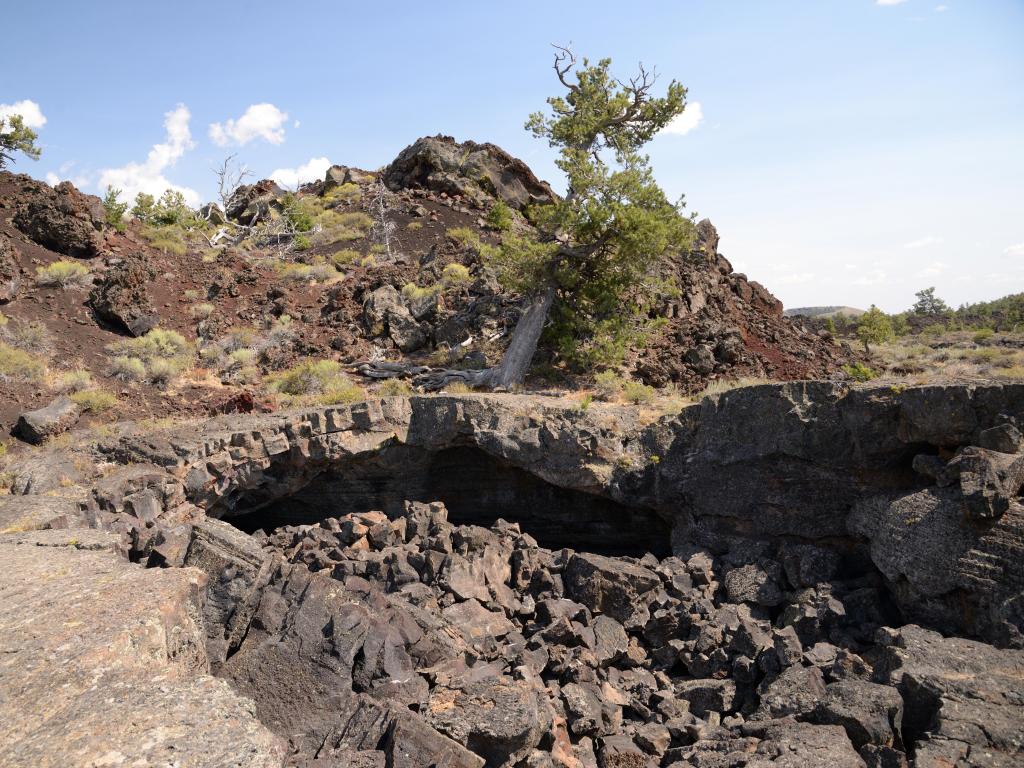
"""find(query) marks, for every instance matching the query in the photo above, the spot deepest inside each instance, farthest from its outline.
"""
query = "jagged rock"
(962, 698)
(610, 586)
(752, 584)
(61, 219)
(870, 713)
(478, 172)
(990, 481)
(385, 313)
(252, 203)
(1005, 438)
(59, 416)
(121, 297)
(9, 271)
(501, 720)
(794, 692)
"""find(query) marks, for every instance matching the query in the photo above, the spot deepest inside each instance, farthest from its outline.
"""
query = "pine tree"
(15, 136)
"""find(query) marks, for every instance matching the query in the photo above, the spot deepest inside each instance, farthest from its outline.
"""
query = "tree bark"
(508, 373)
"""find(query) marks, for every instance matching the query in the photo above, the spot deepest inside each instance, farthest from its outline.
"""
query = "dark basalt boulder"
(121, 297)
(479, 172)
(61, 218)
(59, 416)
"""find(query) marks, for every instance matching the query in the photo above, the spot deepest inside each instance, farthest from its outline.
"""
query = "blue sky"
(849, 151)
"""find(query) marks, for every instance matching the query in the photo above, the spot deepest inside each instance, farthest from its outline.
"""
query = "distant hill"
(824, 312)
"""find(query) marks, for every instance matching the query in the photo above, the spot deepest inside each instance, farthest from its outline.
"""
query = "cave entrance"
(477, 489)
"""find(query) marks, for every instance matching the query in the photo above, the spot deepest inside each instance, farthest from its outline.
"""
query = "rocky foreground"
(798, 575)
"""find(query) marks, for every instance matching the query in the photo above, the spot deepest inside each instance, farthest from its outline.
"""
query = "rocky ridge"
(772, 631)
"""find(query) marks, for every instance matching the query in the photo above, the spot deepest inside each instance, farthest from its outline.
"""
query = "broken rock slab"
(103, 663)
(59, 416)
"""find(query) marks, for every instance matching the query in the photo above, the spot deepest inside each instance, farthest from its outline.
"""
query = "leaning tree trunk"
(508, 373)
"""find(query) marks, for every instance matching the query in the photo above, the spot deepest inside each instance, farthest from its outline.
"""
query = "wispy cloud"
(923, 242)
(310, 171)
(259, 121)
(29, 110)
(691, 117)
(889, 2)
(148, 177)
(872, 277)
(1017, 249)
(934, 269)
(941, 8)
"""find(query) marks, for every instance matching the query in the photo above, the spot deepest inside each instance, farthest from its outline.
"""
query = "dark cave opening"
(477, 489)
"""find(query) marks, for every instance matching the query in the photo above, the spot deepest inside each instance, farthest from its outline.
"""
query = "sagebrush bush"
(19, 365)
(31, 336)
(201, 311)
(456, 274)
(637, 393)
(859, 372)
(94, 400)
(607, 385)
(65, 273)
(345, 257)
(307, 378)
(413, 292)
(163, 371)
(395, 388)
(128, 368)
(157, 344)
(982, 335)
(347, 193)
(73, 381)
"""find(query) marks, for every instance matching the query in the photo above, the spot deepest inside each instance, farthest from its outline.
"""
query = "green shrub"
(456, 274)
(19, 365)
(345, 257)
(201, 311)
(166, 239)
(95, 400)
(31, 335)
(859, 372)
(302, 243)
(607, 385)
(356, 220)
(158, 344)
(464, 236)
(413, 226)
(637, 393)
(413, 292)
(935, 329)
(982, 335)
(499, 217)
(395, 388)
(73, 381)
(340, 391)
(162, 371)
(347, 193)
(378, 248)
(300, 212)
(114, 209)
(128, 368)
(307, 378)
(302, 273)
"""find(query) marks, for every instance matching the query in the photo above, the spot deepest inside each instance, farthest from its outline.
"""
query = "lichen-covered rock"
(121, 297)
(103, 662)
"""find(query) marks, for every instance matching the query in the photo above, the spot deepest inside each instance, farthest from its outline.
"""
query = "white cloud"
(29, 111)
(889, 2)
(934, 269)
(941, 8)
(311, 171)
(260, 121)
(691, 117)
(52, 178)
(923, 242)
(872, 277)
(1016, 249)
(148, 176)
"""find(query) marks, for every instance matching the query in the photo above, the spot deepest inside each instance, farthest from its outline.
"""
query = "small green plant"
(457, 388)
(859, 372)
(378, 248)
(114, 209)
(31, 336)
(464, 236)
(585, 402)
(95, 400)
(19, 365)
(413, 292)
(982, 335)
(637, 393)
(201, 311)
(73, 381)
(302, 242)
(163, 371)
(347, 193)
(395, 388)
(456, 274)
(935, 329)
(607, 385)
(345, 257)
(500, 217)
(413, 226)
(64, 274)
(307, 378)
(128, 368)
